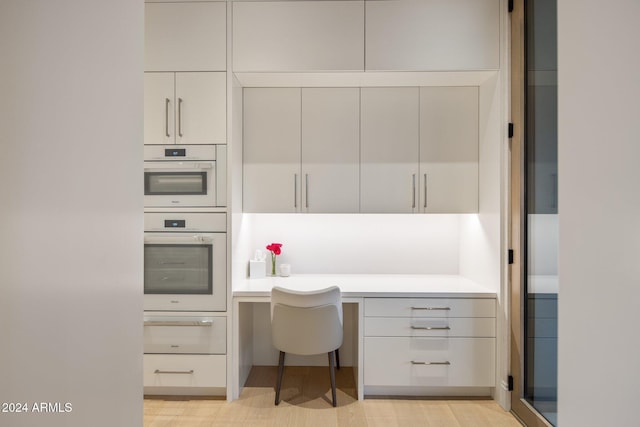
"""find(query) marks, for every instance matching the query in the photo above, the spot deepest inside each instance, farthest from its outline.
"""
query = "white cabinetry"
(184, 350)
(448, 149)
(301, 150)
(419, 150)
(330, 149)
(271, 173)
(389, 149)
(373, 150)
(298, 36)
(429, 343)
(185, 36)
(163, 373)
(185, 108)
(432, 35)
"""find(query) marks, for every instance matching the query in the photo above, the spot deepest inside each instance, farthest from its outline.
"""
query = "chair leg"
(332, 373)
(337, 359)
(279, 380)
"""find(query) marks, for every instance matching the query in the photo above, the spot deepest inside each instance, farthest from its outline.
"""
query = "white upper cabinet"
(389, 149)
(185, 36)
(271, 172)
(298, 36)
(330, 150)
(448, 149)
(159, 115)
(185, 108)
(432, 35)
(301, 150)
(202, 108)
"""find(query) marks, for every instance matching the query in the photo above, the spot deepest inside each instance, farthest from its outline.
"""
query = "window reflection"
(541, 205)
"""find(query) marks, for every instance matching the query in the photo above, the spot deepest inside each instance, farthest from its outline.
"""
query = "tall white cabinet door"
(298, 36)
(271, 134)
(330, 149)
(389, 149)
(432, 35)
(185, 36)
(159, 108)
(449, 149)
(201, 106)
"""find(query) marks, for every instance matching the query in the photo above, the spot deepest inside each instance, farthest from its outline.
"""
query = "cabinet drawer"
(435, 362)
(430, 307)
(178, 370)
(185, 335)
(430, 327)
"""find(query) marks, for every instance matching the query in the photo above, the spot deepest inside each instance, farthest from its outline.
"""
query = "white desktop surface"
(355, 289)
(369, 285)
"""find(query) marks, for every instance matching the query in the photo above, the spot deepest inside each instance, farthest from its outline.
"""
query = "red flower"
(275, 248)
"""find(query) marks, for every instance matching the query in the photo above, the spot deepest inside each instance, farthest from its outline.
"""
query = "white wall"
(599, 202)
(355, 243)
(71, 210)
(480, 245)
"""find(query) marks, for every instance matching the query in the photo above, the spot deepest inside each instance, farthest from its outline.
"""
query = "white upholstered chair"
(307, 323)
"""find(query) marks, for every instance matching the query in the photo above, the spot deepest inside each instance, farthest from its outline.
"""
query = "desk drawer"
(180, 370)
(430, 327)
(435, 362)
(185, 335)
(429, 307)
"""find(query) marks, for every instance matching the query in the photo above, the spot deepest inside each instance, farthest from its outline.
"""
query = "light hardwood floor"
(306, 401)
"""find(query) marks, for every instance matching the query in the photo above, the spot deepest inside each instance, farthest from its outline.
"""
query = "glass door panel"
(541, 206)
(534, 230)
(178, 269)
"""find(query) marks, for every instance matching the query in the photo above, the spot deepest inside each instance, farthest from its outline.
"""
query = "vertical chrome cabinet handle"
(425, 190)
(167, 101)
(180, 117)
(554, 191)
(295, 190)
(413, 204)
(306, 190)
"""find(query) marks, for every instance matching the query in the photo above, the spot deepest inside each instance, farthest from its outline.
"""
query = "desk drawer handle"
(158, 371)
(432, 328)
(208, 323)
(430, 308)
(447, 363)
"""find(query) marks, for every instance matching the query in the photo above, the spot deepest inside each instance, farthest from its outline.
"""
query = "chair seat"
(307, 323)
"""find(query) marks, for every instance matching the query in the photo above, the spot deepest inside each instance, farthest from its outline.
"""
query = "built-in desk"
(426, 315)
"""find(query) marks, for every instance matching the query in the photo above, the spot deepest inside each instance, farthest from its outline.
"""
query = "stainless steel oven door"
(180, 184)
(185, 271)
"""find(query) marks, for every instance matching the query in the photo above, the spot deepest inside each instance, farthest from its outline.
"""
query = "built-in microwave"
(185, 176)
(185, 261)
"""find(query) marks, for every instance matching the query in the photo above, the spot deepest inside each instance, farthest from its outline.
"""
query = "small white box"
(257, 269)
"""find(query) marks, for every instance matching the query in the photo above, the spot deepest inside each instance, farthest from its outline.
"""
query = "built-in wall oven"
(185, 176)
(185, 261)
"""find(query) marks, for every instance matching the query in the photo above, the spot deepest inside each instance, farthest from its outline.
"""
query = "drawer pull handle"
(432, 328)
(413, 362)
(158, 371)
(206, 323)
(430, 308)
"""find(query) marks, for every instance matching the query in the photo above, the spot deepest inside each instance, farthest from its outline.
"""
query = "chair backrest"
(308, 322)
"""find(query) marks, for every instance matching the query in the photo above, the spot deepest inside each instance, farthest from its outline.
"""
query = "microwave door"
(169, 184)
(175, 183)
